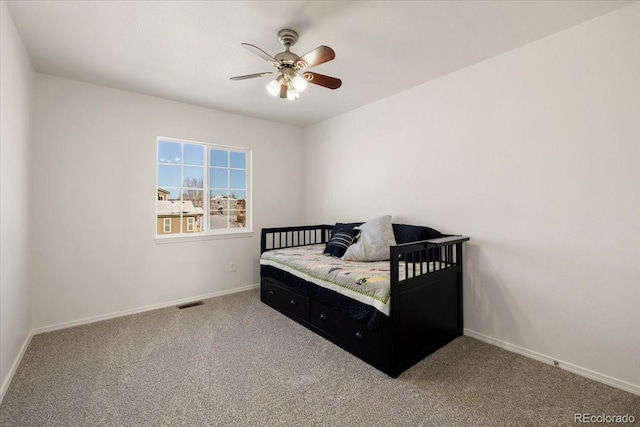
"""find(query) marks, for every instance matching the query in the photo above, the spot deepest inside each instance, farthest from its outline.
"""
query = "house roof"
(176, 207)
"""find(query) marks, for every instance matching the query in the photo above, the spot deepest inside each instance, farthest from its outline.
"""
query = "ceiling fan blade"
(283, 91)
(251, 76)
(261, 53)
(322, 80)
(317, 56)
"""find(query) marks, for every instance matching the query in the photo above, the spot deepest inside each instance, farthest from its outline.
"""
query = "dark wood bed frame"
(426, 309)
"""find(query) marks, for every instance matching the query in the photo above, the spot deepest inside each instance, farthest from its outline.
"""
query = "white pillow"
(376, 236)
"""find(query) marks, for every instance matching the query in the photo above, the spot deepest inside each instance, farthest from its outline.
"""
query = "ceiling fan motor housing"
(286, 59)
(287, 37)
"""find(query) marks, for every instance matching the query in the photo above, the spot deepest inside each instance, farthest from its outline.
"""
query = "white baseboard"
(605, 379)
(93, 319)
(14, 367)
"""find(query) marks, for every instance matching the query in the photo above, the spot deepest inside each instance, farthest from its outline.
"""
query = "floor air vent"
(189, 305)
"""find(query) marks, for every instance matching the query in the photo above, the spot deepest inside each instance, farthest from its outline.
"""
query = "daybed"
(391, 328)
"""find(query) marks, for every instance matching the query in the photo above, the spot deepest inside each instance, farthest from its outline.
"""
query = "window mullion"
(228, 189)
(181, 186)
(207, 191)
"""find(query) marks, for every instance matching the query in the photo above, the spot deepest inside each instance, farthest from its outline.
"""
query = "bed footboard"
(426, 304)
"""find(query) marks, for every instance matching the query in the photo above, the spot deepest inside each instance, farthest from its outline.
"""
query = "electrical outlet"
(233, 267)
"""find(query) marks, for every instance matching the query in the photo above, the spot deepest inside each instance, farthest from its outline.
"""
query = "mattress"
(365, 282)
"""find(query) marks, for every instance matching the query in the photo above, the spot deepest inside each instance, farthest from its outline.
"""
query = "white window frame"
(208, 233)
(165, 222)
(191, 224)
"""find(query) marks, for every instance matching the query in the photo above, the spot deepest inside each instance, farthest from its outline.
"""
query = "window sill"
(203, 236)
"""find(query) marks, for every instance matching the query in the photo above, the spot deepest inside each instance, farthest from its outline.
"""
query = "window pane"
(192, 210)
(219, 158)
(217, 193)
(169, 152)
(218, 221)
(218, 178)
(219, 208)
(167, 193)
(219, 204)
(193, 155)
(195, 197)
(239, 195)
(238, 218)
(238, 179)
(238, 160)
(169, 176)
(193, 177)
(233, 202)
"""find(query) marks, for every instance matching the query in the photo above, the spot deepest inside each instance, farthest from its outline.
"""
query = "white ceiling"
(187, 50)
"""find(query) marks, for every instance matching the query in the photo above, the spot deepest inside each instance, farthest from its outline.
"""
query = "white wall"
(534, 154)
(94, 201)
(17, 87)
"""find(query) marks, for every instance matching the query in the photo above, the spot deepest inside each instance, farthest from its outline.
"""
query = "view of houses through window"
(201, 188)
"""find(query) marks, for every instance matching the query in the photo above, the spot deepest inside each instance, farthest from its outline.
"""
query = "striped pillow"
(340, 241)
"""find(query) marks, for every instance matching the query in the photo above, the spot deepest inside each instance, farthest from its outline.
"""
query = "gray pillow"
(376, 236)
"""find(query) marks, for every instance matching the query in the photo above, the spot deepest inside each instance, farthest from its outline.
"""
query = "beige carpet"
(235, 362)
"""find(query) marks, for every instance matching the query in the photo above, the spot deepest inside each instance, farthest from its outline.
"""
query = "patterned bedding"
(367, 282)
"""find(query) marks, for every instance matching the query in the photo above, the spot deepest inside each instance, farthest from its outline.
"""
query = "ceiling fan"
(292, 69)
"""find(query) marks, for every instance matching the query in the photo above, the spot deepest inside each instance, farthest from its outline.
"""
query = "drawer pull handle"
(323, 316)
(360, 335)
(293, 302)
(272, 293)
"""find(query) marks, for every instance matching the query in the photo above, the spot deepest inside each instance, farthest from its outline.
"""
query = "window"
(167, 225)
(204, 187)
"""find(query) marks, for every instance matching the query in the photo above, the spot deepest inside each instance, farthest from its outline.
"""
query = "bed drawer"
(347, 331)
(283, 299)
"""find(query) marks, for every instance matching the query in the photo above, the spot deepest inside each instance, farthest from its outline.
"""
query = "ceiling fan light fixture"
(292, 94)
(299, 83)
(274, 86)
